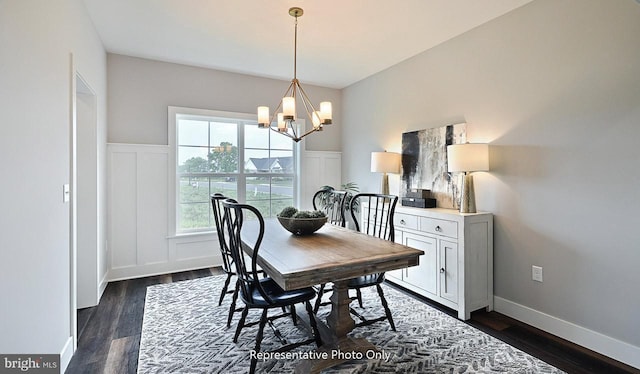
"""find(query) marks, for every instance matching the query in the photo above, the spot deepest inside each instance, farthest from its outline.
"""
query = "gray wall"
(36, 41)
(140, 91)
(554, 87)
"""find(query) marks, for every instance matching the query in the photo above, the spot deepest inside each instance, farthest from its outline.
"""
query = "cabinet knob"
(402, 222)
(438, 228)
(442, 270)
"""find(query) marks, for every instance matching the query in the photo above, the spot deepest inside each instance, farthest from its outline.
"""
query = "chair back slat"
(233, 220)
(227, 259)
(376, 219)
(333, 204)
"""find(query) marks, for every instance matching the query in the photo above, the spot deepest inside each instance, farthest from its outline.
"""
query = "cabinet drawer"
(439, 227)
(405, 221)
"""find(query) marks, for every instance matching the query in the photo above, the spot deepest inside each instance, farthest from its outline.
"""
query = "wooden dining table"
(331, 255)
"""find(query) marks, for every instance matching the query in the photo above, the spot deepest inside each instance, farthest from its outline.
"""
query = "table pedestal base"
(337, 347)
(346, 349)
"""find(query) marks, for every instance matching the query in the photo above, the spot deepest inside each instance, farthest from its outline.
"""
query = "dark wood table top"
(331, 254)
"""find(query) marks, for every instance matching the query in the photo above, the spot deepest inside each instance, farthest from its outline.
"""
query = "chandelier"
(285, 121)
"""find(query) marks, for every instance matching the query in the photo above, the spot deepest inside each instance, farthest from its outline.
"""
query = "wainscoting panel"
(319, 168)
(122, 211)
(194, 247)
(138, 200)
(152, 207)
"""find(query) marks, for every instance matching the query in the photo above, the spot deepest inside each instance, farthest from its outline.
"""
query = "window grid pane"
(194, 216)
(210, 160)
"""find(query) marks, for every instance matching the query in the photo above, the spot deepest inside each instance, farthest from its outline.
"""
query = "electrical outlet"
(536, 273)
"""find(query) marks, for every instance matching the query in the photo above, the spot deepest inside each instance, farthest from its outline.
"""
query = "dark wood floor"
(109, 334)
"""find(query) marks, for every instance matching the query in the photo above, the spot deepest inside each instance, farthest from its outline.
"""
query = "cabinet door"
(425, 275)
(449, 270)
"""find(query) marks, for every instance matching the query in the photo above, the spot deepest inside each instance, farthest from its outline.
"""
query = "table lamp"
(385, 162)
(467, 158)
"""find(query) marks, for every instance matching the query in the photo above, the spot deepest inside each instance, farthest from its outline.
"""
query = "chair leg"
(319, 299)
(386, 307)
(243, 317)
(263, 322)
(232, 308)
(224, 288)
(359, 297)
(314, 325)
(294, 316)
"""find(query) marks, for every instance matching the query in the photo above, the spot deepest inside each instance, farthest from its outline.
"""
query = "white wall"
(36, 41)
(140, 91)
(554, 87)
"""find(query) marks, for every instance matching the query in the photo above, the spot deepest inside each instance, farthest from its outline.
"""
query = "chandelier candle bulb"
(316, 120)
(282, 125)
(263, 116)
(326, 114)
(289, 107)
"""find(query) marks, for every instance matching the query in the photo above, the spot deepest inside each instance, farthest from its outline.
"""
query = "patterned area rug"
(184, 331)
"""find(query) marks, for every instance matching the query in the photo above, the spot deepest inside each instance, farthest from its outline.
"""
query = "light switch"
(536, 273)
(65, 193)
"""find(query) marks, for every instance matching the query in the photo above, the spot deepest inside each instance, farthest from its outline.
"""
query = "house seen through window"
(233, 157)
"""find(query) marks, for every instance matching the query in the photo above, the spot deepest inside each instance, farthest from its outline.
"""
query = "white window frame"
(173, 183)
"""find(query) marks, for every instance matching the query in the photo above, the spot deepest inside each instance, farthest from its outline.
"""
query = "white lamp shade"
(325, 110)
(315, 119)
(467, 157)
(282, 125)
(289, 107)
(263, 114)
(385, 162)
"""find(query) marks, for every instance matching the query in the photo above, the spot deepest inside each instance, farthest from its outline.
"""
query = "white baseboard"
(150, 270)
(103, 285)
(595, 341)
(65, 354)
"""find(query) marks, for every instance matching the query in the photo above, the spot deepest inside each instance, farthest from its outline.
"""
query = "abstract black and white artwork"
(424, 163)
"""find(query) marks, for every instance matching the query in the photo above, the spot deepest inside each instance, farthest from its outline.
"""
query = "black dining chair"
(376, 219)
(256, 292)
(332, 203)
(227, 258)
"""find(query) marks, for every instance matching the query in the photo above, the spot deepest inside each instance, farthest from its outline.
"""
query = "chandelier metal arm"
(305, 101)
(295, 138)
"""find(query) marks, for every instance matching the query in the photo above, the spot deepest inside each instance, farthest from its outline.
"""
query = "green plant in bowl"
(301, 222)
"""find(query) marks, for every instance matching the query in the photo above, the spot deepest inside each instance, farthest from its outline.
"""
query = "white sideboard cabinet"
(456, 269)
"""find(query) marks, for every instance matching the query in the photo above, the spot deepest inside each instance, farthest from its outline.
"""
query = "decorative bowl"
(302, 226)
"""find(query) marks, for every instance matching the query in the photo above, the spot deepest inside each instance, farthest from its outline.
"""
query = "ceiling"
(339, 41)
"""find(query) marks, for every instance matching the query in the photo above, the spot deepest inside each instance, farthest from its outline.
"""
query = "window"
(227, 153)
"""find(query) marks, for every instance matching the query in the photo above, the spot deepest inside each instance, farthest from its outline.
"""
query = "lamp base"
(384, 185)
(467, 195)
